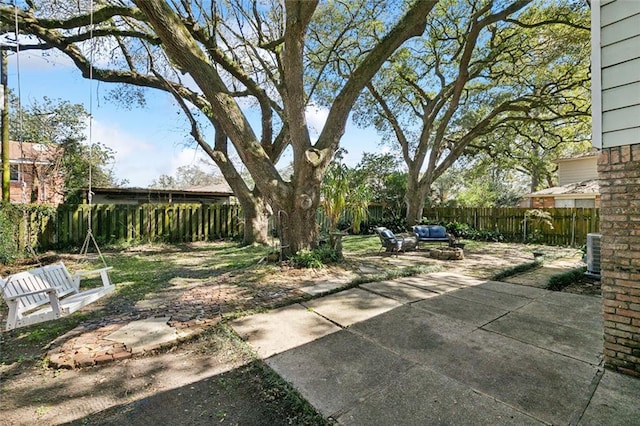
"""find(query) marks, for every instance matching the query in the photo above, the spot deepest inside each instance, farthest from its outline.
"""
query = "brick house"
(615, 68)
(577, 185)
(34, 176)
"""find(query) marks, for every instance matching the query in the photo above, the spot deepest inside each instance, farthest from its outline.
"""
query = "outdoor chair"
(389, 241)
(431, 233)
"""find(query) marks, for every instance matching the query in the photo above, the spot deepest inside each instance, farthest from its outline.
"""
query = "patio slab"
(453, 360)
(515, 289)
(282, 329)
(145, 334)
(492, 298)
(546, 385)
(321, 288)
(440, 282)
(585, 315)
(351, 306)
(398, 291)
(413, 332)
(422, 396)
(585, 345)
(468, 311)
(338, 370)
(615, 401)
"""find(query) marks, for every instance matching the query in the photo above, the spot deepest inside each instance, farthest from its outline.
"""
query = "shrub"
(558, 282)
(9, 232)
(395, 224)
(315, 258)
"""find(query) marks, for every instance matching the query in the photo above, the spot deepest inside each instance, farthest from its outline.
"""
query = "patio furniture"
(47, 293)
(431, 233)
(389, 241)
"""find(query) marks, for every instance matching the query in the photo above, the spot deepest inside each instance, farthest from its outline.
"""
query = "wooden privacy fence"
(174, 223)
(570, 225)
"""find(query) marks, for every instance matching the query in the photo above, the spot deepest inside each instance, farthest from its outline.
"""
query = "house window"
(565, 202)
(14, 172)
(587, 203)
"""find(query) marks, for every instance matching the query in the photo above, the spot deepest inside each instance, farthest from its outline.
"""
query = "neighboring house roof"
(220, 187)
(209, 190)
(587, 187)
(592, 153)
(32, 153)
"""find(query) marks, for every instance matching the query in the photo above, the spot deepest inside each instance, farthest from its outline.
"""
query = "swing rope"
(90, 238)
(23, 184)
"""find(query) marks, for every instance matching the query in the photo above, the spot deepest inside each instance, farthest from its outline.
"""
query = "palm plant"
(341, 197)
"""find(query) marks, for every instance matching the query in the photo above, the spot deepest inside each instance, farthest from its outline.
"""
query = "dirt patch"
(585, 285)
(211, 378)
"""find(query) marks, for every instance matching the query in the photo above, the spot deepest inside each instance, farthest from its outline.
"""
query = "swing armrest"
(49, 291)
(103, 274)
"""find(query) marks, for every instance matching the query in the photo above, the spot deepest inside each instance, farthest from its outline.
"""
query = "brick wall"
(619, 171)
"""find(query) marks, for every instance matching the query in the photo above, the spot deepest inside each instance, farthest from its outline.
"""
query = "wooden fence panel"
(176, 223)
(570, 225)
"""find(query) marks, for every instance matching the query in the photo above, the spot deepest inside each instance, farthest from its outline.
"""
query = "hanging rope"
(23, 184)
(90, 239)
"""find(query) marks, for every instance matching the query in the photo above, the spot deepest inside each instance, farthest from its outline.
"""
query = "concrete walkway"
(446, 349)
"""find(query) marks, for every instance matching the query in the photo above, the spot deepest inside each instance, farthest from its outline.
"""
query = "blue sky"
(148, 141)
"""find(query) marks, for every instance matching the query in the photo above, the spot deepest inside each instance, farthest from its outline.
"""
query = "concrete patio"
(446, 349)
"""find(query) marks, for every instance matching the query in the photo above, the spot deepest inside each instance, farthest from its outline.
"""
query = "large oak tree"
(515, 68)
(216, 57)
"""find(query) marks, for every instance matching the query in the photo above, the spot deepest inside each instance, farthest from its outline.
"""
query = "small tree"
(538, 219)
(342, 196)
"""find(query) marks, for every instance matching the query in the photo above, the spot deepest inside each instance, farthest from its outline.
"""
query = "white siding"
(620, 119)
(622, 51)
(619, 97)
(621, 137)
(620, 64)
(615, 33)
(578, 170)
(620, 74)
(616, 11)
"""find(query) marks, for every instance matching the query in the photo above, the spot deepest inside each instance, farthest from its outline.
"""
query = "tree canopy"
(215, 58)
(486, 76)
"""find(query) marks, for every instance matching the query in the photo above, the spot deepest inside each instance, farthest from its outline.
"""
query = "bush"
(465, 231)
(315, 258)
(395, 224)
(558, 282)
(9, 232)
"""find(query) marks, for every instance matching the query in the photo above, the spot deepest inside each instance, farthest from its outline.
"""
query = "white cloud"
(142, 160)
(34, 60)
(136, 159)
(189, 156)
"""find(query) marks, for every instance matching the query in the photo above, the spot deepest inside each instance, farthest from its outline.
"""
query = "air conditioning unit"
(593, 254)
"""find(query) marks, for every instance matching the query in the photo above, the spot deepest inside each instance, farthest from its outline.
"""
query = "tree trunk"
(298, 227)
(415, 197)
(415, 207)
(6, 171)
(535, 181)
(299, 230)
(256, 221)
